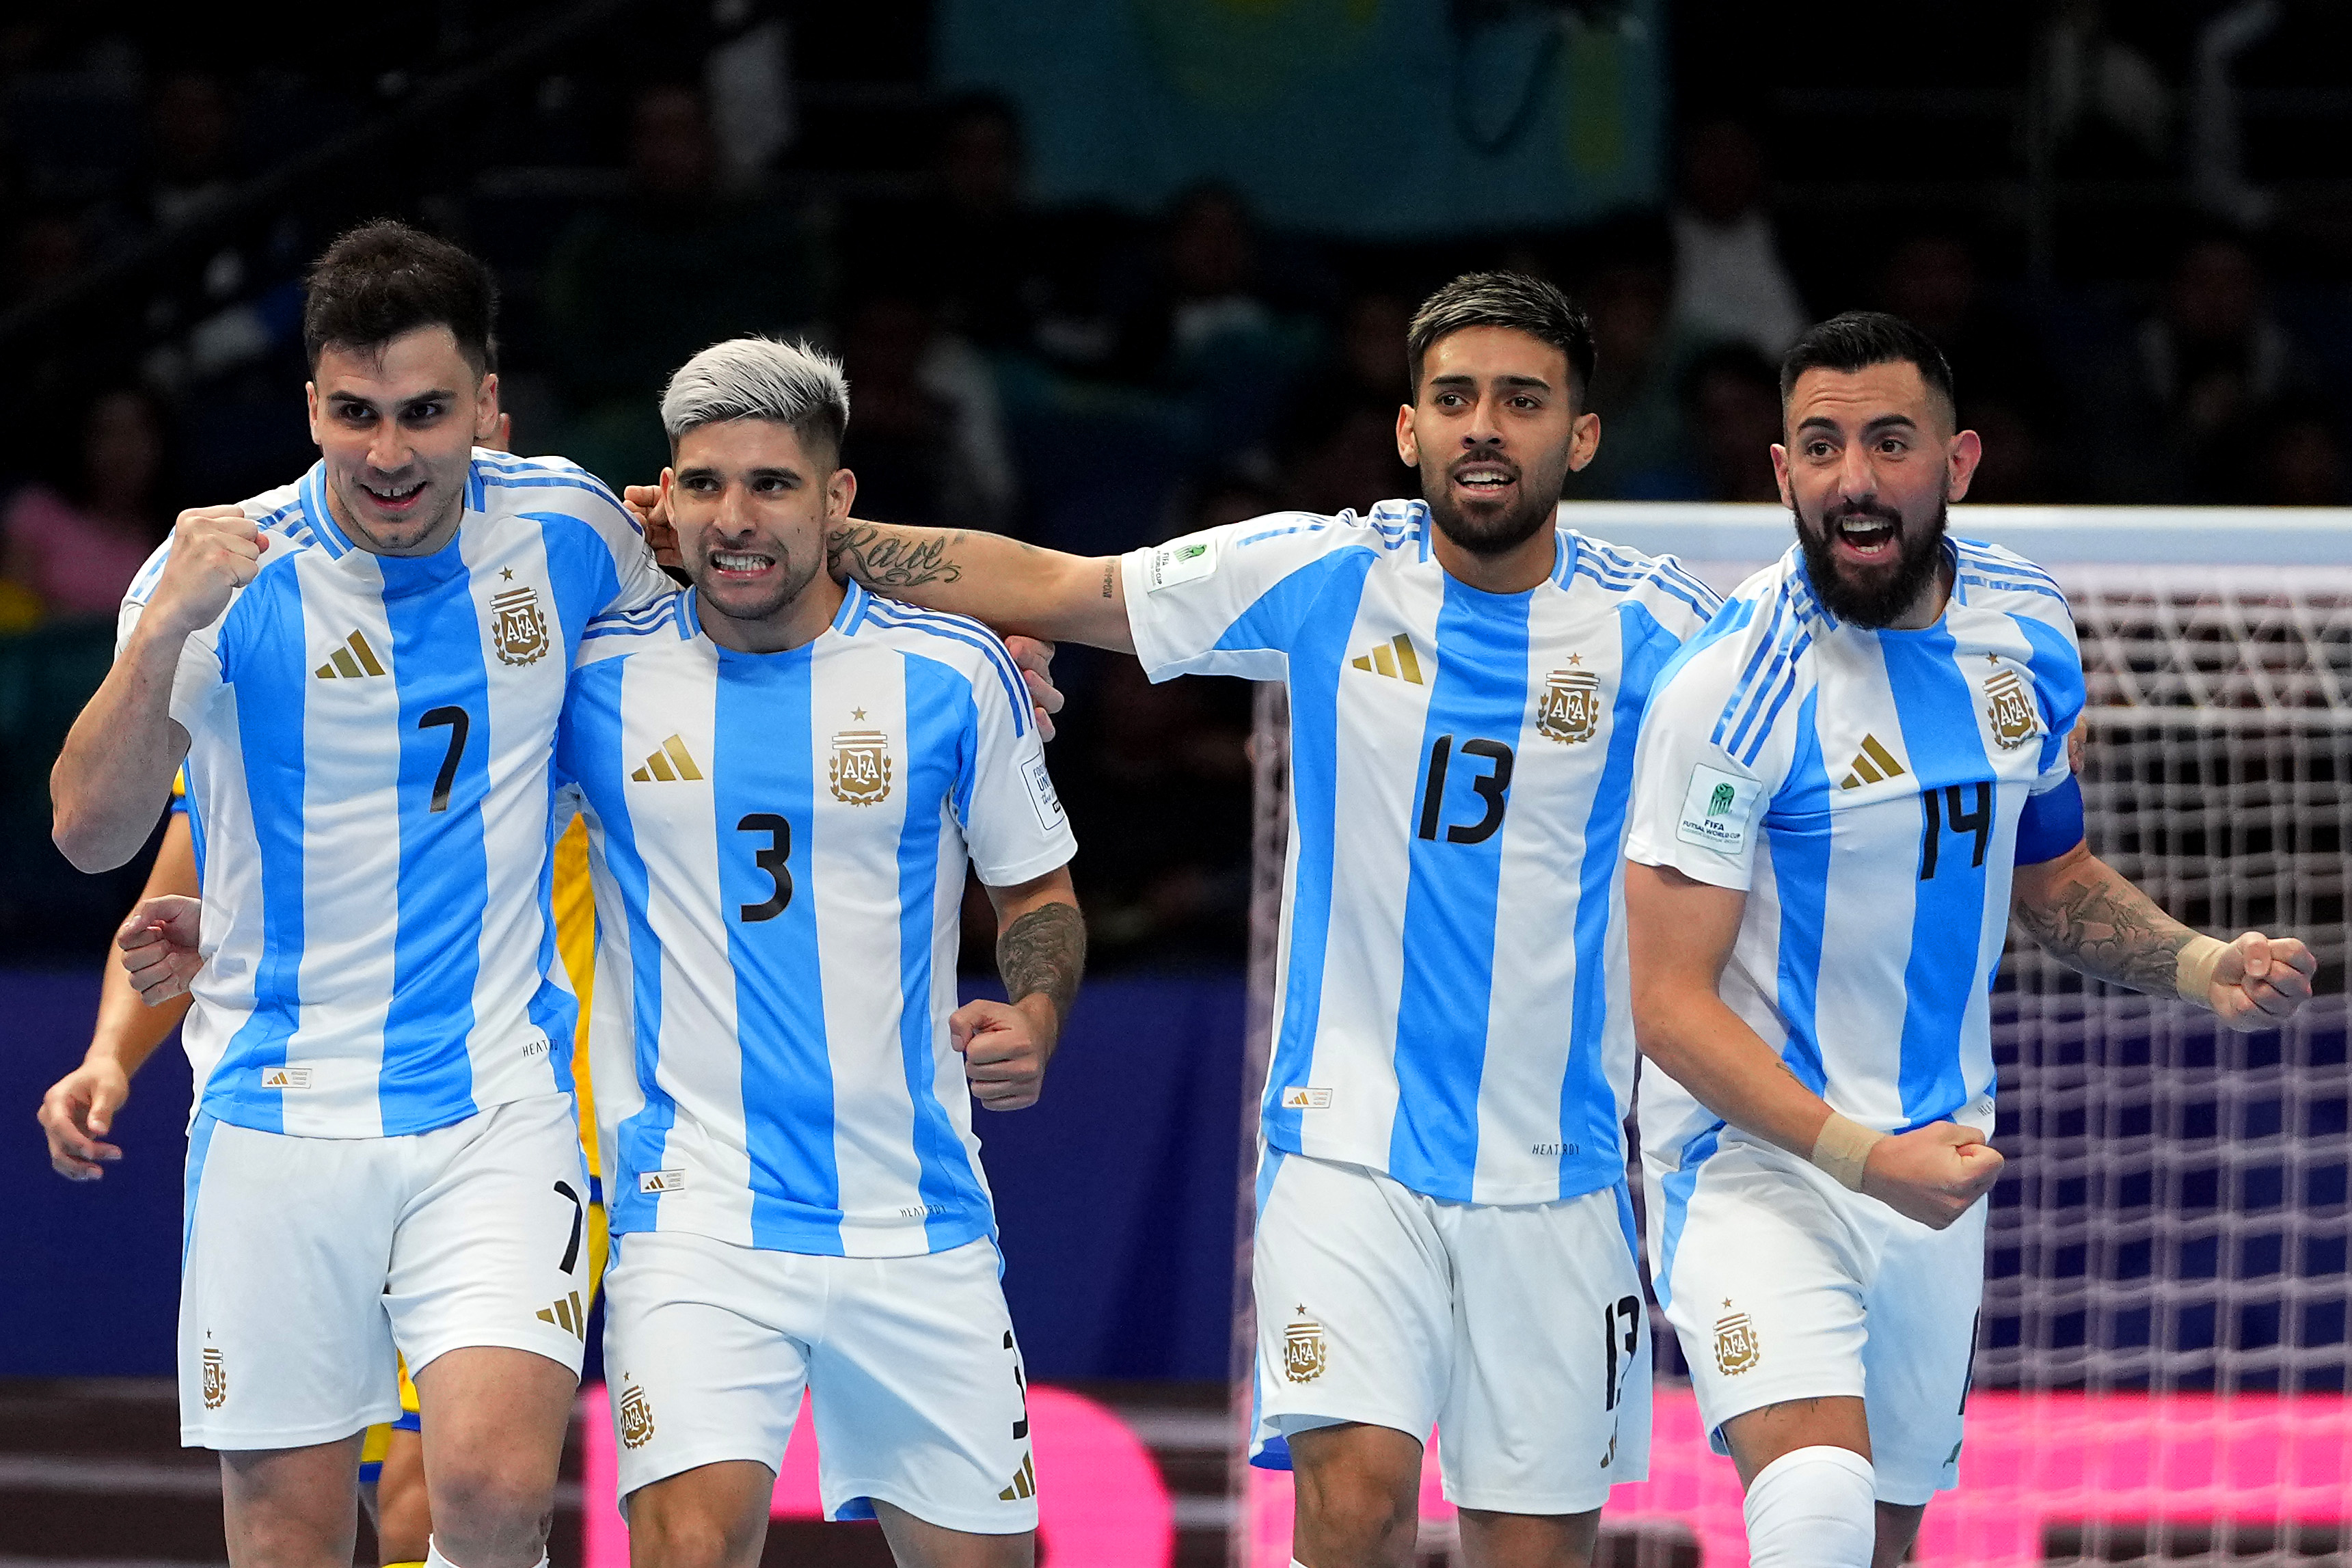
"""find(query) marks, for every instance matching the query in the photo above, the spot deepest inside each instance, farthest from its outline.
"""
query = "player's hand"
(649, 505)
(159, 946)
(1934, 1174)
(79, 1113)
(1035, 657)
(1005, 1047)
(215, 551)
(2260, 981)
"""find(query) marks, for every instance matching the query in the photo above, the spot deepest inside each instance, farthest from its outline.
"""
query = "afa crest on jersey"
(860, 771)
(2008, 707)
(1302, 1351)
(518, 628)
(1569, 710)
(637, 1417)
(216, 1380)
(1736, 1345)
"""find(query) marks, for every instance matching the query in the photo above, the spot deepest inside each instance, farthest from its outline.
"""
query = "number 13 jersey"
(1451, 1005)
(777, 843)
(1862, 787)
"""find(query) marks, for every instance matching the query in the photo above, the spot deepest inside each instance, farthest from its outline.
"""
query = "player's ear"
(1408, 444)
(310, 400)
(840, 495)
(485, 410)
(1961, 464)
(1583, 440)
(1780, 473)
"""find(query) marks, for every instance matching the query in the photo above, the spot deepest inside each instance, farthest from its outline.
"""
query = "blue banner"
(1361, 119)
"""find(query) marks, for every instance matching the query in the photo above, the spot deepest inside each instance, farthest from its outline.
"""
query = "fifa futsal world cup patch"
(1715, 811)
(1186, 560)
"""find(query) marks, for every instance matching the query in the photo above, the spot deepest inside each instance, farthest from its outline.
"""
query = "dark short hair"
(384, 278)
(1860, 339)
(1512, 300)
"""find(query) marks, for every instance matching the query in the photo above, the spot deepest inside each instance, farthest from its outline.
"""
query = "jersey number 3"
(773, 858)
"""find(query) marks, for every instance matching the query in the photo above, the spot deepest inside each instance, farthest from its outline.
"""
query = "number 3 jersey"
(1864, 788)
(778, 844)
(1451, 1008)
(369, 741)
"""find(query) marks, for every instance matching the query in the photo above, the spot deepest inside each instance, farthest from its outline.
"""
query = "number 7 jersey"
(1862, 787)
(1451, 1008)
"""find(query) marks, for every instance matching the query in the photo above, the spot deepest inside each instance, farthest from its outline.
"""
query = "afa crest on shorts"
(518, 628)
(1302, 1350)
(2009, 708)
(1736, 1346)
(1569, 710)
(216, 1380)
(860, 772)
(637, 1417)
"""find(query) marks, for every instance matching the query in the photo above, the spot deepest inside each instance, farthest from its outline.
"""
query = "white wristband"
(1843, 1149)
(2192, 973)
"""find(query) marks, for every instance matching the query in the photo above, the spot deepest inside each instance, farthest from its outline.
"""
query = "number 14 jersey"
(1451, 1008)
(1862, 787)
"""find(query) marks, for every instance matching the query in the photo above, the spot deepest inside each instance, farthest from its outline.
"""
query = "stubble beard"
(1501, 534)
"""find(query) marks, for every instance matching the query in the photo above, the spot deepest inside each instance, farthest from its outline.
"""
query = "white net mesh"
(2161, 1367)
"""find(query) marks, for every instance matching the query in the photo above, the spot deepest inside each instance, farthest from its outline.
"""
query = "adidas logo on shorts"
(568, 1315)
(1025, 1482)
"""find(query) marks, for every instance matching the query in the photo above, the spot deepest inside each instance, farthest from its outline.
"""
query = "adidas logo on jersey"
(1025, 1482)
(670, 764)
(568, 1315)
(1393, 658)
(1871, 764)
(354, 660)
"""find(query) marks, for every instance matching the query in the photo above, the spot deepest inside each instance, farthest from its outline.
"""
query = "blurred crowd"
(1087, 378)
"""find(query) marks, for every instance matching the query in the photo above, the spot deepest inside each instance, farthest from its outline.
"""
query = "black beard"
(1497, 536)
(1883, 605)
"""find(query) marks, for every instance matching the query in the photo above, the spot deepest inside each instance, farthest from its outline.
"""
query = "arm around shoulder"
(1012, 587)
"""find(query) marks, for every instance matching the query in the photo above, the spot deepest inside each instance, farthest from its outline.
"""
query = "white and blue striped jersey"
(778, 844)
(1862, 787)
(367, 771)
(1451, 1007)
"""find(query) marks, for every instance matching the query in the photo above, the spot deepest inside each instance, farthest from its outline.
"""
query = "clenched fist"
(215, 551)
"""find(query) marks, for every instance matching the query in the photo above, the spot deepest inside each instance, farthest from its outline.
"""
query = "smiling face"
(396, 424)
(1870, 465)
(752, 505)
(1495, 431)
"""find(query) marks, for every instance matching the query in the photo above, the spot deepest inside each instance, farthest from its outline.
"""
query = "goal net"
(2161, 1364)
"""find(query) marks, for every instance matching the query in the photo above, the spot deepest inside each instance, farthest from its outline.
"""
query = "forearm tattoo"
(2099, 923)
(891, 558)
(1044, 949)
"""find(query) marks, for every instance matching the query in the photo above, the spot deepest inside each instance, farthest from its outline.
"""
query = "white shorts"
(1517, 1330)
(307, 1262)
(1783, 1285)
(909, 1362)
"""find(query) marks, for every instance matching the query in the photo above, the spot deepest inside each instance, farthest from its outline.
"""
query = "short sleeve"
(1014, 824)
(1230, 600)
(198, 675)
(1696, 808)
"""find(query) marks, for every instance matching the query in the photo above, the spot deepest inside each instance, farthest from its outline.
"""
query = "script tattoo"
(891, 558)
(2100, 924)
(1044, 949)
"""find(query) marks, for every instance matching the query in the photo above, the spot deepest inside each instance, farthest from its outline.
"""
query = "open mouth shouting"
(1484, 478)
(1866, 535)
(394, 499)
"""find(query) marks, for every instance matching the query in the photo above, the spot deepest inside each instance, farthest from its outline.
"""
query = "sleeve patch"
(1042, 798)
(1716, 811)
(1186, 560)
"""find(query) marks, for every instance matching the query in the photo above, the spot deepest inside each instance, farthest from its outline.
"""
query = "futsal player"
(362, 672)
(1443, 1234)
(1843, 787)
(784, 783)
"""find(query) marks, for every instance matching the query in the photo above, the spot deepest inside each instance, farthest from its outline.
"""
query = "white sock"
(1812, 1508)
(433, 1558)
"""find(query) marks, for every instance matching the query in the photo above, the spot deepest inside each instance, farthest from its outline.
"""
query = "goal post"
(2161, 1366)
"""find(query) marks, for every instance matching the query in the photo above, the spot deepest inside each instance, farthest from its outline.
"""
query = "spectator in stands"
(1628, 287)
(632, 291)
(1337, 444)
(2207, 359)
(1731, 411)
(928, 441)
(1729, 280)
(75, 548)
(2299, 459)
